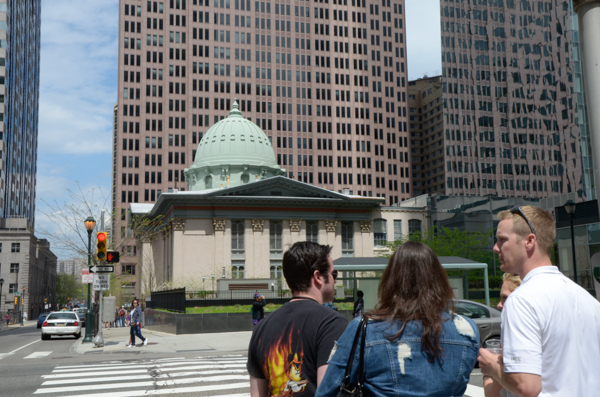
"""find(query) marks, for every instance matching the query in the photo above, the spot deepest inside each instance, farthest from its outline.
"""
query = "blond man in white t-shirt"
(550, 325)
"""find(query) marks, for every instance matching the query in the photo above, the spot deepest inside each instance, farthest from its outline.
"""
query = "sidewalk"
(115, 341)
(29, 323)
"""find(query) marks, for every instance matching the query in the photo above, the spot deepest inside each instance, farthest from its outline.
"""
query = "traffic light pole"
(88, 316)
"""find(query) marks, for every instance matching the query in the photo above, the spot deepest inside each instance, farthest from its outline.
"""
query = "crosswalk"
(223, 376)
(220, 376)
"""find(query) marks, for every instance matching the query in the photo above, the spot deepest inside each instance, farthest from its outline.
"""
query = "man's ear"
(317, 279)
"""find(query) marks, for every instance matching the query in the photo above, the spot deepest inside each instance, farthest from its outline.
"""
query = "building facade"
(240, 213)
(511, 122)
(28, 268)
(71, 266)
(19, 99)
(326, 81)
(426, 125)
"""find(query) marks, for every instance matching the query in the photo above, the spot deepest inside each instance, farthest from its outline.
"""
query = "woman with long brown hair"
(415, 344)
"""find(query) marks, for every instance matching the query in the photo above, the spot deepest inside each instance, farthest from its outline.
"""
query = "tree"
(68, 236)
(68, 287)
(452, 242)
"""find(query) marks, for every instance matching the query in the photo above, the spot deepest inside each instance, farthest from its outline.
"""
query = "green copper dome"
(234, 151)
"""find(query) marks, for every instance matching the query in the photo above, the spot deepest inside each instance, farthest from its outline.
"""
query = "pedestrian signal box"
(101, 246)
(112, 257)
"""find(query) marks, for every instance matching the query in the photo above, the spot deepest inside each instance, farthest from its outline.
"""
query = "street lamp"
(90, 223)
(22, 306)
(570, 208)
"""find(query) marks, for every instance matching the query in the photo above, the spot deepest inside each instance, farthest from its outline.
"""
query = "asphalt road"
(30, 366)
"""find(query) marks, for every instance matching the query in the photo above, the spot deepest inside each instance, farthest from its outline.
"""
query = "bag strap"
(361, 362)
(362, 329)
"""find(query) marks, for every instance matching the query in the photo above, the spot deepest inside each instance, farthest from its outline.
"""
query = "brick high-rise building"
(325, 80)
(511, 125)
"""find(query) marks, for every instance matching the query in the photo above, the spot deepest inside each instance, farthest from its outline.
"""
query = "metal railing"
(172, 300)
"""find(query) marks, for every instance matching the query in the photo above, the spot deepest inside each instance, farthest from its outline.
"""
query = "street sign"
(86, 277)
(101, 282)
(102, 269)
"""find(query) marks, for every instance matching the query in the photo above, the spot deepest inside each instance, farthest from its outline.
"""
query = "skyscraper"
(19, 99)
(510, 122)
(325, 80)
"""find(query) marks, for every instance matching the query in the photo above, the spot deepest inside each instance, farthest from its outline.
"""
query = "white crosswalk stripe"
(223, 376)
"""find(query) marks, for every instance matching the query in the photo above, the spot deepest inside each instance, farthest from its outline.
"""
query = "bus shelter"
(377, 264)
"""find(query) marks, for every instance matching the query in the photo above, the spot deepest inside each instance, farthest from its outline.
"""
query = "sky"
(78, 90)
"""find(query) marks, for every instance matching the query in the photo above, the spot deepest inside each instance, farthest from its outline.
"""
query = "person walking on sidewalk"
(121, 317)
(136, 322)
(258, 308)
(7, 319)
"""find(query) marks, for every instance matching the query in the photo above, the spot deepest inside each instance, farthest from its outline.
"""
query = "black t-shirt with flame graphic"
(290, 344)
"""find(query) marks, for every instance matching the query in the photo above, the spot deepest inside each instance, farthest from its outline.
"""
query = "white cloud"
(78, 82)
(423, 38)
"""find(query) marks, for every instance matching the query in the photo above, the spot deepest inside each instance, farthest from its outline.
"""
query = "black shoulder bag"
(348, 389)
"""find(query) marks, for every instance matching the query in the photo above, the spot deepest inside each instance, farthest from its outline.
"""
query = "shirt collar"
(541, 270)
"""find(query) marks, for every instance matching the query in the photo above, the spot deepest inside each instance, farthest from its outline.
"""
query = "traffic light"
(16, 300)
(45, 300)
(112, 257)
(101, 246)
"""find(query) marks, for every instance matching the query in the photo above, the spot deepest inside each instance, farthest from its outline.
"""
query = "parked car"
(41, 319)
(81, 314)
(61, 323)
(487, 318)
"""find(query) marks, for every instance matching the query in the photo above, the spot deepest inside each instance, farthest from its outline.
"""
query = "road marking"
(143, 392)
(16, 350)
(69, 368)
(137, 369)
(474, 391)
(38, 355)
(139, 377)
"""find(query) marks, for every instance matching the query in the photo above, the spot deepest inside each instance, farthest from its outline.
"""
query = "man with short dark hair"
(289, 350)
(550, 325)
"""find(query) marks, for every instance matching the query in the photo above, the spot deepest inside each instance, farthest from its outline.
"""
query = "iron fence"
(172, 300)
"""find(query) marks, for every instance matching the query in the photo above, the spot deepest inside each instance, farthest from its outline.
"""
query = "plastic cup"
(494, 345)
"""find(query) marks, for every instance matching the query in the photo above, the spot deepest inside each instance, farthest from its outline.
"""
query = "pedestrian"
(122, 316)
(289, 350)
(7, 319)
(550, 325)
(136, 322)
(359, 305)
(491, 387)
(128, 319)
(24, 316)
(258, 308)
(413, 346)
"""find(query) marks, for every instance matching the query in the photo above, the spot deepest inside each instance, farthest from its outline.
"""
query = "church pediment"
(278, 187)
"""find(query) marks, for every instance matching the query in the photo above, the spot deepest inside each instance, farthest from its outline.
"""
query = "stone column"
(147, 270)
(178, 224)
(364, 240)
(295, 231)
(218, 259)
(331, 228)
(260, 260)
(589, 34)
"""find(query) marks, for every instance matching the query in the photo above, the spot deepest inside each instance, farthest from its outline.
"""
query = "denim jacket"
(400, 367)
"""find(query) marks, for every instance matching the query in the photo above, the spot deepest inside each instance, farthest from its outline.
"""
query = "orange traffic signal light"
(101, 246)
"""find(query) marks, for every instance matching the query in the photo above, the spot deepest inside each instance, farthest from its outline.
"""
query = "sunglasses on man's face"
(517, 210)
(334, 274)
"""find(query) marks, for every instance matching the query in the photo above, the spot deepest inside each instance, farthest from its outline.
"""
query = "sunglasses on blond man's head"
(517, 210)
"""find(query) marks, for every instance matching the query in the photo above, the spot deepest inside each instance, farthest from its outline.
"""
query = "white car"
(61, 323)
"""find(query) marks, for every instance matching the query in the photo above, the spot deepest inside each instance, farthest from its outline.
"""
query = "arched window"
(276, 235)
(237, 269)
(312, 231)
(380, 232)
(414, 226)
